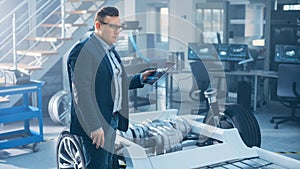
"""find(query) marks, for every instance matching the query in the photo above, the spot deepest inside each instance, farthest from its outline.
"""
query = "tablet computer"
(160, 71)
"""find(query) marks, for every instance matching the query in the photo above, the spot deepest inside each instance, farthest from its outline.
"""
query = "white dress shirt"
(117, 74)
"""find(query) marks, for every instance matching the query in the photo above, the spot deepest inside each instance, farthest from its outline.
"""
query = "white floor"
(284, 140)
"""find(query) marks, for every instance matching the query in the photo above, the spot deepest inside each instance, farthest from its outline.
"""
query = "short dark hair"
(106, 11)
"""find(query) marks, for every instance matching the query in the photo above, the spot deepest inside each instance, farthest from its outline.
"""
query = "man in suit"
(99, 87)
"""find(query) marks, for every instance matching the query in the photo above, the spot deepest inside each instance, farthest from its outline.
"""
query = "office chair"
(202, 80)
(288, 92)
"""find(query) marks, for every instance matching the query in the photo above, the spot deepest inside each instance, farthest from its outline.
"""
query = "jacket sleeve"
(83, 88)
(135, 81)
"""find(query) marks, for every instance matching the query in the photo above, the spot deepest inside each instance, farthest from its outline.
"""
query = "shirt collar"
(106, 46)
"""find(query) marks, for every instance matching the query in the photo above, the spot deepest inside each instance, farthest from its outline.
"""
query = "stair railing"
(21, 26)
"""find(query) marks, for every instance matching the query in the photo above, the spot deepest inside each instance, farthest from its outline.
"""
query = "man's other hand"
(97, 137)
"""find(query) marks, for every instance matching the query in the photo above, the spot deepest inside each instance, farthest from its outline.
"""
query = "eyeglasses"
(112, 26)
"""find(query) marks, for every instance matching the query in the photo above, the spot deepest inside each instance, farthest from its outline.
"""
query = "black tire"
(69, 152)
(115, 164)
(35, 147)
(238, 117)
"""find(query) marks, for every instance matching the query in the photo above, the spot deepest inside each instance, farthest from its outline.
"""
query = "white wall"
(181, 21)
(182, 31)
(129, 9)
(254, 20)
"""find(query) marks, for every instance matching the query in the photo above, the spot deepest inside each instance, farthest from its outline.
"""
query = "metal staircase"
(36, 34)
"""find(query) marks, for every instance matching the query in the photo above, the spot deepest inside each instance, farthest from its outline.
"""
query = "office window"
(209, 21)
(164, 24)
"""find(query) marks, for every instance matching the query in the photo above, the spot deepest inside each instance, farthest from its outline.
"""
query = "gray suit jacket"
(92, 87)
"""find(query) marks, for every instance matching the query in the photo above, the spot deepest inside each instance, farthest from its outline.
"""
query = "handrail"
(1, 2)
(63, 18)
(8, 18)
(44, 11)
(13, 11)
(14, 41)
(41, 22)
(35, 25)
(7, 40)
(27, 19)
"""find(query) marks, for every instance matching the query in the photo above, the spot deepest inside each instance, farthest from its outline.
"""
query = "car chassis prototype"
(227, 149)
(164, 139)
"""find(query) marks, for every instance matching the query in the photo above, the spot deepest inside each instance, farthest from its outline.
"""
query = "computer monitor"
(222, 50)
(287, 54)
(232, 52)
(237, 52)
(202, 51)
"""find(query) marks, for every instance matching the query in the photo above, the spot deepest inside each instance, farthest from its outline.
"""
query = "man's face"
(109, 30)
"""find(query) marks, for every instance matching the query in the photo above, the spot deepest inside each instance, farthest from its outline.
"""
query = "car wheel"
(69, 152)
(236, 116)
(59, 108)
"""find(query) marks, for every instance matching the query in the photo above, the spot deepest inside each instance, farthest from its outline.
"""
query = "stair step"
(36, 52)
(48, 39)
(8, 66)
(67, 25)
(3, 99)
(79, 12)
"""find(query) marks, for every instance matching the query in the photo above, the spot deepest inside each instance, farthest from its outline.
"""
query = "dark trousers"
(100, 158)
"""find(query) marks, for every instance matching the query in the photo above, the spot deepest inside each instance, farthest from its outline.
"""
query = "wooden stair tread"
(3, 99)
(19, 66)
(49, 39)
(67, 25)
(78, 12)
(36, 52)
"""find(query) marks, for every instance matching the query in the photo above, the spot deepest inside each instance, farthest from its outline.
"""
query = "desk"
(256, 74)
(219, 74)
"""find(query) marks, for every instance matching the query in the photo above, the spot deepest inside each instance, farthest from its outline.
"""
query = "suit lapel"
(100, 53)
(108, 64)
